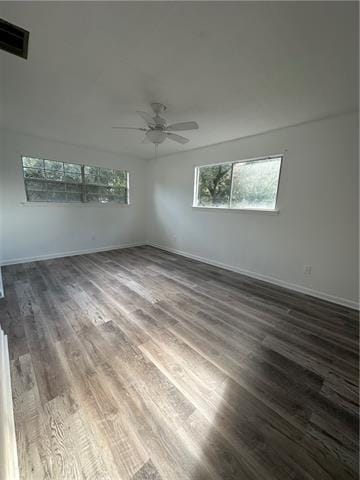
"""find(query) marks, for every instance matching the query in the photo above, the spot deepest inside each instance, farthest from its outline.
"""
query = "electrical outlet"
(307, 269)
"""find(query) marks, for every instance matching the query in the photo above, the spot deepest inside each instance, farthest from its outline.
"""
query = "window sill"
(239, 210)
(69, 204)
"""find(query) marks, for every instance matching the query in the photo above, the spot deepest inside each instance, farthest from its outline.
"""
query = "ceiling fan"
(157, 130)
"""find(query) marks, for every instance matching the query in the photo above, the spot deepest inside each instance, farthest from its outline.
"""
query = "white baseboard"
(275, 281)
(14, 261)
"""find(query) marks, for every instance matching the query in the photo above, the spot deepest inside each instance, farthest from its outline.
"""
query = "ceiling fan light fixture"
(156, 136)
(158, 131)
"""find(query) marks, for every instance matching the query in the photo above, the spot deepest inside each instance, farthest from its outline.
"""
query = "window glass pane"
(99, 194)
(54, 175)
(106, 176)
(33, 162)
(54, 166)
(106, 198)
(105, 191)
(73, 187)
(99, 176)
(35, 184)
(88, 170)
(72, 177)
(57, 197)
(255, 184)
(36, 196)
(90, 179)
(93, 198)
(33, 172)
(214, 185)
(120, 199)
(92, 174)
(92, 189)
(72, 168)
(120, 191)
(120, 179)
(73, 197)
(56, 186)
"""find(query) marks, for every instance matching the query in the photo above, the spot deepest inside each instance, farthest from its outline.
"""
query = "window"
(53, 181)
(249, 184)
(105, 185)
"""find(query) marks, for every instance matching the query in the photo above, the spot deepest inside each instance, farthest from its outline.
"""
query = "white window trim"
(265, 211)
(74, 204)
(271, 211)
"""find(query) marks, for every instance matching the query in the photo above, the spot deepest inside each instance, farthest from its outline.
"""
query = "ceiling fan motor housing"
(157, 130)
(158, 108)
(156, 136)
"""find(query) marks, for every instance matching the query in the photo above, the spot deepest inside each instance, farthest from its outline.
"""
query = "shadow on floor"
(274, 423)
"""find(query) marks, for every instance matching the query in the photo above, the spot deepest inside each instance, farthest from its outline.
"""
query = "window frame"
(229, 208)
(82, 185)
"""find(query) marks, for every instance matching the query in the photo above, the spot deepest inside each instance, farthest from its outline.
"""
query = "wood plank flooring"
(139, 364)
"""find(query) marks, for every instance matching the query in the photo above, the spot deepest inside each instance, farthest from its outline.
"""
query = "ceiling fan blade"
(131, 128)
(147, 117)
(177, 138)
(183, 126)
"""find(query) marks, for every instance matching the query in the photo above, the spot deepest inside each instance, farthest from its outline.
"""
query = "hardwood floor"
(139, 364)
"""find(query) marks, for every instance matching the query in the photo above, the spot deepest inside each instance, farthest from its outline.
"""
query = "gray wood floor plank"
(138, 364)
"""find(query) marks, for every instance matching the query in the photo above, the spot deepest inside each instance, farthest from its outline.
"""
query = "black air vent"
(13, 39)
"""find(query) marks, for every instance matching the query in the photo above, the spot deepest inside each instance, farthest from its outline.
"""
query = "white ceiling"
(236, 68)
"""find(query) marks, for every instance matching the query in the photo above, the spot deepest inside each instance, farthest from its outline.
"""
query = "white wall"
(40, 231)
(2, 156)
(317, 224)
(318, 201)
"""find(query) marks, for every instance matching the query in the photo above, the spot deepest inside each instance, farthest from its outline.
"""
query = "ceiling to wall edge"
(189, 150)
(265, 132)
